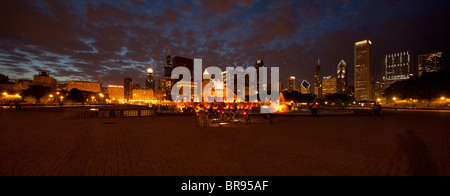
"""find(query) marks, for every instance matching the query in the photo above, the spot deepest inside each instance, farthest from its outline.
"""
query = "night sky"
(107, 41)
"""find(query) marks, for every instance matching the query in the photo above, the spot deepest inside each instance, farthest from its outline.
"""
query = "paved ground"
(405, 143)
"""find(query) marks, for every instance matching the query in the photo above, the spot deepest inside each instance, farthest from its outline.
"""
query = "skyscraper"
(150, 82)
(342, 77)
(258, 64)
(397, 67)
(318, 81)
(291, 83)
(363, 72)
(430, 63)
(183, 62)
(329, 85)
(168, 65)
(128, 87)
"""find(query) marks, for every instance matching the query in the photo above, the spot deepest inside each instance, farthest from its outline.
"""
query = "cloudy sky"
(106, 41)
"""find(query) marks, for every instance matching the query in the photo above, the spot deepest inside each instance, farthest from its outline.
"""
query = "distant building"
(95, 87)
(305, 87)
(330, 85)
(342, 77)
(291, 83)
(432, 62)
(128, 86)
(43, 79)
(318, 88)
(165, 84)
(150, 82)
(363, 71)
(142, 95)
(5, 85)
(377, 90)
(116, 93)
(21, 85)
(168, 65)
(397, 67)
(61, 87)
(183, 62)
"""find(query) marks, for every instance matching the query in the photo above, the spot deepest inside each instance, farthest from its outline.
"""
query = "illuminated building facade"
(330, 85)
(397, 67)
(432, 62)
(342, 77)
(43, 79)
(150, 82)
(291, 83)
(318, 81)
(363, 72)
(142, 95)
(116, 93)
(95, 87)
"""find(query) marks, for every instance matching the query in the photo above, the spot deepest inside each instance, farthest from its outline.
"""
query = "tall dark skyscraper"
(150, 82)
(258, 64)
(430, 63)
(183, 62)
(397, 67)
(128, 87)
(318, 81)
(168, 66)
(342, 77)
(363, 71)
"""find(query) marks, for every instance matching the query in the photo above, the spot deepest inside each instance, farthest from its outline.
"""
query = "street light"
(395, 98)
(443, 98)
(51, 96)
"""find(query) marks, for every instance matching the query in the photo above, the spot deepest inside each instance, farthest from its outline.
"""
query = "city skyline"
(122, 40)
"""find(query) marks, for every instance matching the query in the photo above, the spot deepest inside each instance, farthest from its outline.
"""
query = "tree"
(76, 96)
(339, 99)
(37, 92)
(429, 86)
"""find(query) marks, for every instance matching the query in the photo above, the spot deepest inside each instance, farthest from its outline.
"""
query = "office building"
(305, 87)
(342, 77)
(183, 62)
(291, 83)
(397, 67)
(128, 87)
(432, 62)
(318, 81)
(168, 65)
(116, 93)
(150, 82)
(142, 95)
(363, 72)
(44, 79)
(95, 87)
(330, 85)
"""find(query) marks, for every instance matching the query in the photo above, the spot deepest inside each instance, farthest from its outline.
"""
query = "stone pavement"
(404, 143)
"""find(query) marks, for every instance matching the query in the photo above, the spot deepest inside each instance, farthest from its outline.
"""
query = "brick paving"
(403, 143)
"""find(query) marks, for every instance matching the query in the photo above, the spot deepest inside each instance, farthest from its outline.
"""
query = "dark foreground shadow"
(417, 154)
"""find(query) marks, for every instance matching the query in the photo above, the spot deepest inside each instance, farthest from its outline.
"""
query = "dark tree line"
(429, 86)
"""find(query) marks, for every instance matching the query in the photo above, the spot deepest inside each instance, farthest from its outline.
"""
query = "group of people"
(16, 104)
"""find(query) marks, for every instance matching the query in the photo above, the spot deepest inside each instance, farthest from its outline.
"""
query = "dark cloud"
(109, 40)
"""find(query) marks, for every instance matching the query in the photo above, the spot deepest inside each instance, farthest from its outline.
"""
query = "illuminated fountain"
(282, 107)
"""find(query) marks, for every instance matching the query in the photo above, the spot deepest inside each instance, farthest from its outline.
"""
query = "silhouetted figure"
(377, 109)
(17, 106)
(314, 109)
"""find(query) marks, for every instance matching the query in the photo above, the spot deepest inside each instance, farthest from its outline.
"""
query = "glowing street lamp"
(379, 100)
(5, 94)
(51, 96)
(395, 98)
(443, 98)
